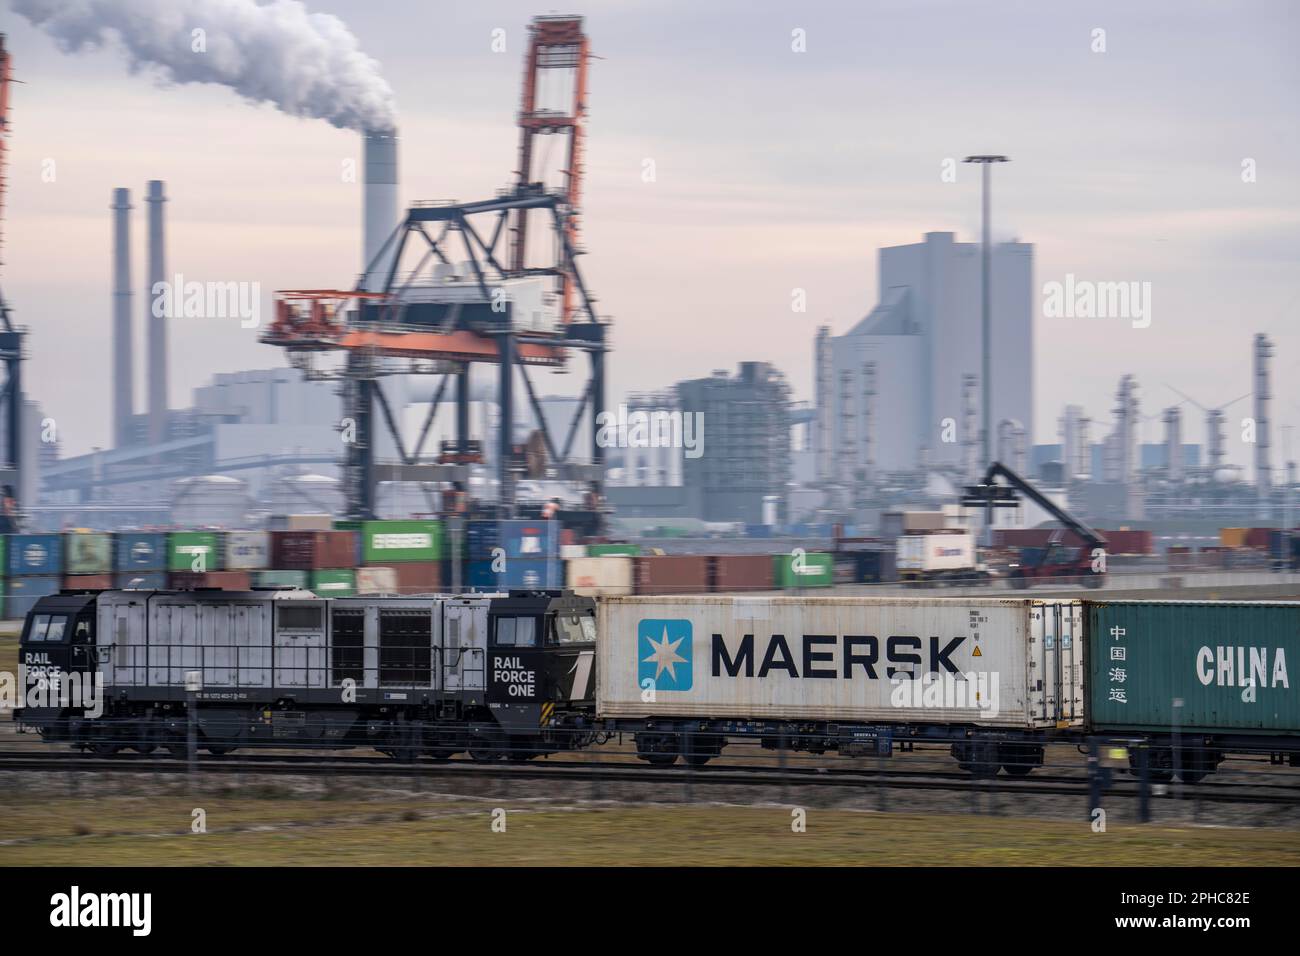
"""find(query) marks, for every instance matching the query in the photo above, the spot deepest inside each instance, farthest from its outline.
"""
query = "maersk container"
(193, 551)
(597, 577)
(39, 554)
(384, 542)
(803, 570)
(247, 550)
(1195, 665)
(140, 551)
(1015, 663)
(88, 552)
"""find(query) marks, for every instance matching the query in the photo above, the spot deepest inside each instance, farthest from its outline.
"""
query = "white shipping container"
(377, 581)
(935, 552)
(993, 663)
(610, 575)
(247, 550)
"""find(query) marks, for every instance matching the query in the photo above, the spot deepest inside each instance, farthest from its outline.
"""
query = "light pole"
(986, 312)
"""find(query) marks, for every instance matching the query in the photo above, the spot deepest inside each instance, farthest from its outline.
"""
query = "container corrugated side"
(247, 550)
(593, 577)
(1146, 655)
(826, 658)
(88, 552)
(194, 551)
(35, 554)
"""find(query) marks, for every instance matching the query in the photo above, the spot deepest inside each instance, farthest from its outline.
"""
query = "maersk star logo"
(664, 653)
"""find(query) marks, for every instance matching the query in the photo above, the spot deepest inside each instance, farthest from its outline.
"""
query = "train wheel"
(105, 748)
(660, 760)
(219, 751)
(658, 750)
(1019, 760)
(979, 758)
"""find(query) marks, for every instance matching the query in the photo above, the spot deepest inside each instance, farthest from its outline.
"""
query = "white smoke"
(307, 64)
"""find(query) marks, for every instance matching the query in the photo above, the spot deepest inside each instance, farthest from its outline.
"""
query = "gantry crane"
(464, 303)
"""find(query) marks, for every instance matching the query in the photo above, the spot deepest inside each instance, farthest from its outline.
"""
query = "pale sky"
(775, 170)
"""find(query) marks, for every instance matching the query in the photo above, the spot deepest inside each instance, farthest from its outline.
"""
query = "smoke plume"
(307, 64)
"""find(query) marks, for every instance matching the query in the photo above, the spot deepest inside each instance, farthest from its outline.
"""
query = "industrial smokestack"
(123, 404)
(157, 385)
(1174, 444)
(1263, 395)
(379, 207)
(822, 395)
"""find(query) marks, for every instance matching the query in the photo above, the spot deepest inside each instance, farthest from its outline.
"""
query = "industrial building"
(898, 392)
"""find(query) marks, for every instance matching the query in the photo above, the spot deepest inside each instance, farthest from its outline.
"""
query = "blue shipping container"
(140, 551)
(22, 593)
(519, 539)
(518, 573)
(35, 554)
(141, 580)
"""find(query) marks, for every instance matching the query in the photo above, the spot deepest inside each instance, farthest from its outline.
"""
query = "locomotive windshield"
(47, 627)
(575, 629)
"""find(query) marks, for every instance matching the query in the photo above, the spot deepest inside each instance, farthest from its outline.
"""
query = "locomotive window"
(575, 629)
(39, 626)
(58, 623)
(306, 617)
(517, 631)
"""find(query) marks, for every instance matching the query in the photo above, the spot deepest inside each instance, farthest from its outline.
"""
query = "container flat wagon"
(853, 675)
(1197, 679)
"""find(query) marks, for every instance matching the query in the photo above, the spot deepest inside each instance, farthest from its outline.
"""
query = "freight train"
(522, 673)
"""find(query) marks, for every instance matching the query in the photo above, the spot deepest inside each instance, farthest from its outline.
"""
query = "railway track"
(1281, 794)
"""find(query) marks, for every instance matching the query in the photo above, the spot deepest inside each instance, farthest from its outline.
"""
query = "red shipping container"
(671, 574)
(740, 572)
(417, 577)
(225, 580)
(1258, 537)
(88, 582)
(313, 550)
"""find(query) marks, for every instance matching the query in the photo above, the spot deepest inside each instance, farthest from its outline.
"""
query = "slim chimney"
(157, 325)
(1263, 393)
(379, 215)
(123, 402)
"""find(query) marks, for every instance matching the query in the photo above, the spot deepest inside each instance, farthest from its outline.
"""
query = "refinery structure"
(422, 385)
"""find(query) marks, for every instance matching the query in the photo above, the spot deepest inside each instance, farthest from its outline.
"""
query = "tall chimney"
(1263, 393)
(1174, 444)
(123, 403)
(157, 325)
(379, 215)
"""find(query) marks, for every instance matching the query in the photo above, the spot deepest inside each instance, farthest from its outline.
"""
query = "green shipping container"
(4, 555)
(613, 550)
(272, 579)
(334, 583)
(384, 542)
(88, 553)
(808, 571)
(183, 547)
(1233, 666)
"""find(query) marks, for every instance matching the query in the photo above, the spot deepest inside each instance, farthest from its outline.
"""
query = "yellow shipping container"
(1232, 537)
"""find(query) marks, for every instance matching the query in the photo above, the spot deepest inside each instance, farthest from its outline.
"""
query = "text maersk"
(831, 656)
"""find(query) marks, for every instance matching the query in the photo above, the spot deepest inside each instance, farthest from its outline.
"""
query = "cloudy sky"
(775, 170)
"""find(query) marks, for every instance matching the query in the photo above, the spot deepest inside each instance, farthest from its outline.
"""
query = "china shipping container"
(247, 550)
(812, 570)
(1145, 657)
(88, 552)
(740, 572)
(594, 577)
(828, 659)
(313, 550)
(196, 552)
(390, 542)
(21, 593)
(140, 551)
(225, 580)
(671, 574)
(35, 554)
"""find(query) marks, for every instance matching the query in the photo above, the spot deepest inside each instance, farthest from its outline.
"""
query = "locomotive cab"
(541, 662)
(56, 655)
